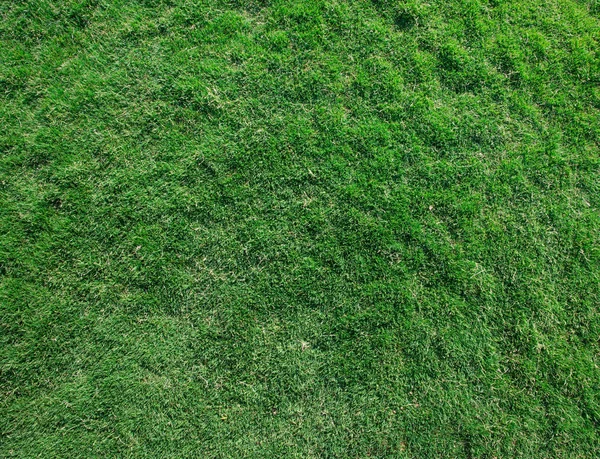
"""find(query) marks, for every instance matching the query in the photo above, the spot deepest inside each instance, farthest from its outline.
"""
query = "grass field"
(300, 229)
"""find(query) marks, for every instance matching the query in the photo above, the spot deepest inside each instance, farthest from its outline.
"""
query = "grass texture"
(300, 229)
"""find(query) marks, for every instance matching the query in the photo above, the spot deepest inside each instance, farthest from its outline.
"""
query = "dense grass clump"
(300, 228)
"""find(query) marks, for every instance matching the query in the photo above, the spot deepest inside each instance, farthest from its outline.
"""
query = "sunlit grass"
(299, 228)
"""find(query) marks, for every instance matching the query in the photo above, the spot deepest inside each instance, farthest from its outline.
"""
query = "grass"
(303, 228)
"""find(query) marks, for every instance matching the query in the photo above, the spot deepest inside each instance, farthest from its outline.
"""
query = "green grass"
(303, 228)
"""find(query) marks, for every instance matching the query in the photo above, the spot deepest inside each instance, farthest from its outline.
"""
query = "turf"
(300, 229)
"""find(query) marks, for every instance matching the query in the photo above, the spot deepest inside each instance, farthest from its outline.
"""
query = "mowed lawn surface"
(300, 229)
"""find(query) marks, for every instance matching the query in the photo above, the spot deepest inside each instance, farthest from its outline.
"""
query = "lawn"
(300, 229)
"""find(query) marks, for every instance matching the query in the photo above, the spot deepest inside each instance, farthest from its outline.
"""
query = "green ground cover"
(303, 228)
